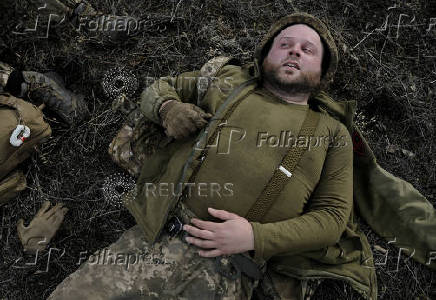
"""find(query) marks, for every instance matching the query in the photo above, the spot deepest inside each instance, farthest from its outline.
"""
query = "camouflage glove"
(42, 228)
(181, 119)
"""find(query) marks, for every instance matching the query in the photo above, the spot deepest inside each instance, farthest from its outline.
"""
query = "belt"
(241, 263)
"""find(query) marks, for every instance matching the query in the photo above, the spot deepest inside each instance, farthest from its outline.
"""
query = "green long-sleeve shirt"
(314, 207)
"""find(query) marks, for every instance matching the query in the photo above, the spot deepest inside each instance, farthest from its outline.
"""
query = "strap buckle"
(174, 226)
(285, 171)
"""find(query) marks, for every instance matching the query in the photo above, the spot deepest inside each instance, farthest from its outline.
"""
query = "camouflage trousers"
(132, 269)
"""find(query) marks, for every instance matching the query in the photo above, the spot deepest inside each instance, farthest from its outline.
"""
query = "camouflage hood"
(330, 60)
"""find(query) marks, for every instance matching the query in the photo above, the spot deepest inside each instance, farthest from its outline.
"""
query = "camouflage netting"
(387, 63)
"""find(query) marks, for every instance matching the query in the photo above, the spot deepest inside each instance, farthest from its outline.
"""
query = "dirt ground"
(387, 64)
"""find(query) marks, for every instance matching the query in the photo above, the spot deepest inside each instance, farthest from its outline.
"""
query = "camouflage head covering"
(330, 59)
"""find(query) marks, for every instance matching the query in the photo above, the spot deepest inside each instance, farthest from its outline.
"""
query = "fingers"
(201, 238)
(204, 234)
(64, 210)
(53, 210)
(206, 225)
(58, 217)
(210, 253)
(198, 117)
(206, 244)
(222, 214)
(200, 122)
(201, 112)
(43, 208)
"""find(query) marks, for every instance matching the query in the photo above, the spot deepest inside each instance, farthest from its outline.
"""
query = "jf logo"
(226, 135)
(52, 20)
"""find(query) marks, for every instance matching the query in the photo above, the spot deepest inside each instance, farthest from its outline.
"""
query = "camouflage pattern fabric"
(132, 269)
(137, 139)
(121, 151)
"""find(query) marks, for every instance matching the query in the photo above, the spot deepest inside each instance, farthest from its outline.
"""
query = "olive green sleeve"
(181, 88)
(326, 215)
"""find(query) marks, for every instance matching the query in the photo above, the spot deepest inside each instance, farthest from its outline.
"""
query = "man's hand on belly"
(235, 235)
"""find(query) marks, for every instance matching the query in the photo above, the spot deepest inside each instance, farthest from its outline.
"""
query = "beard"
(307, 82)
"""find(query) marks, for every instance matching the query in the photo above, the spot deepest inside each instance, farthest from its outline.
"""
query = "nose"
(294, 50)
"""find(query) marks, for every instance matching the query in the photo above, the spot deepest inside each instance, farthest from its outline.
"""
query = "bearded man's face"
(293, 63)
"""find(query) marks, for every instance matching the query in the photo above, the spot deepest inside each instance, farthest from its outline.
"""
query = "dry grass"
(389, 71)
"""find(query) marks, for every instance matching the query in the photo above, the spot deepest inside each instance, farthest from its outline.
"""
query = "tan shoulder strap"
(283, 173)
